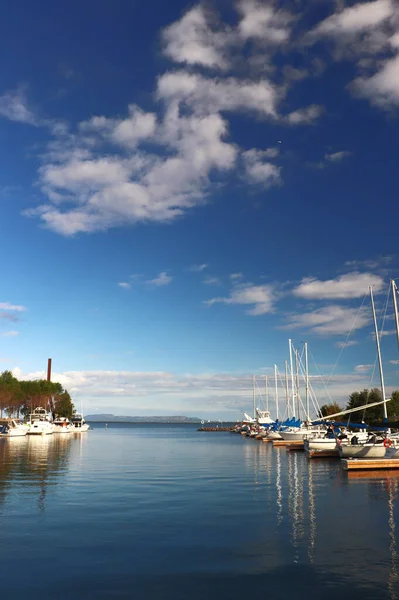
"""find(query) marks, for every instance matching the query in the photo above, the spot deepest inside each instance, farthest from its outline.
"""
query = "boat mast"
(276, 390)
(395, 307)
(292, 380)
(377, 339)
(307, 381)
(287, 393)
(297, 382)
(253, 396)
(267, 392)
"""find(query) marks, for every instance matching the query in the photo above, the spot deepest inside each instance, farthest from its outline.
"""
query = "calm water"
(166, 512)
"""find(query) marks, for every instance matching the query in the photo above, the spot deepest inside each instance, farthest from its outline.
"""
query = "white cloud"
(162, 279)
(198, 268)
(211, 281)
(8, 306)
(346, 344)
(125, 285)
(394, 362)
(192, 41)
(235, 276)
(383, 87)
(330, 320)
(12, 333)
(263, 21)
(304, 116)
(126, 132)
(363, 368)
(337, 156)
(350, 285)
(355, 19)
(259, 170)
(261, 297)
(209, 95)
(13, 106)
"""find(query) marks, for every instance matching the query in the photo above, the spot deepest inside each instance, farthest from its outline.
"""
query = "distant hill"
(108, 418)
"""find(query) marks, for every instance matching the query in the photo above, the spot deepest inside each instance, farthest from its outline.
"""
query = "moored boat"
(39, 422)
(79, 424)
(10, 428)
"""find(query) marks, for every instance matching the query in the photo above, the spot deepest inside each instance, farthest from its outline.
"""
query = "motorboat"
(373, 448)
(10, 428)
(39, 422)
(79, 424)
(62, 425)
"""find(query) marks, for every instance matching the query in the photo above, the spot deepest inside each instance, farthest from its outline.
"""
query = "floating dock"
(369, 463)
(298, 446)
(288, 443)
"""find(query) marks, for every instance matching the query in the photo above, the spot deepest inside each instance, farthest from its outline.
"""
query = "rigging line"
(320, 375)
(347, 338)
(380, 334)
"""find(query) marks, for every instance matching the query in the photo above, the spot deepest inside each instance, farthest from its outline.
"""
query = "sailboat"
(376, 448)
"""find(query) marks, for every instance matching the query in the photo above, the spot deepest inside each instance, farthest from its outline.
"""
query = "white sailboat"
(369, 450)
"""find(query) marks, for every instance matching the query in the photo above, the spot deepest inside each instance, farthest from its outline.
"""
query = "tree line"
(373, 414)
(19, 398)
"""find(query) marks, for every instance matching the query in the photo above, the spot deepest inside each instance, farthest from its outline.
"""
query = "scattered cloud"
(337, 156)
(350, 285)
(259, 170)
(198, 268)
(262, 298)
(11, 333)
(8, 306)
(346, 344)
(125, 285)
(13, 106)
(305, 116)
(363, 368)
(211, 281)
(373, 263)
(161, 280)
(236, 276)
(329, 320)
(394, 362)
(354, 20)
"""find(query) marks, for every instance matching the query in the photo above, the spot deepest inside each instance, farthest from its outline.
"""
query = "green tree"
(374, 413)
(329, 409)
(10, 393)
(63, 405)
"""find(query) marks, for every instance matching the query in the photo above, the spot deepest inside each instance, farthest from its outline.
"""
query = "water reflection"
(31, 464)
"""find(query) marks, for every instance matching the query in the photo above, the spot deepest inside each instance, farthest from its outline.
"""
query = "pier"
(349, 464)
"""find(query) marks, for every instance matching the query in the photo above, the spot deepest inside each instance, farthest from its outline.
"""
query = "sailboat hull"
(362, 451)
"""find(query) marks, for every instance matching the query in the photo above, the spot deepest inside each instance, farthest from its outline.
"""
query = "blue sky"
(185, 186)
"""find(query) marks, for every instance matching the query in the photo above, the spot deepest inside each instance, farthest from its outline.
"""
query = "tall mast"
(297, 382)
(276, 389)
(292, 380)
(267, 392)
(287, 393)
(395, 307)
(253, 396)
(307, 381)
(377, 339)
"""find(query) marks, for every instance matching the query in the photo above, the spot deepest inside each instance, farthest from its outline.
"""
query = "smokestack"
(49, 369)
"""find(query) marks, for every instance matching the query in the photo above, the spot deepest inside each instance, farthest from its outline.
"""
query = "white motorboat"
(263, 417)
(62, 425)
(10, 428)
(79, 424)
(39, 422)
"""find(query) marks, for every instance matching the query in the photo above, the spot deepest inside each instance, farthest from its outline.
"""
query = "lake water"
(166, 512)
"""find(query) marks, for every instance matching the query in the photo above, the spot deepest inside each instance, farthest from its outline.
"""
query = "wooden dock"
(266, 440)
(322, 453)
(287, 443)
(214, 429)
(295, 446)
(369, 463)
